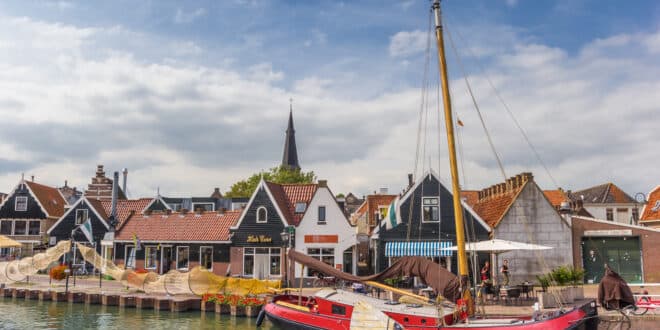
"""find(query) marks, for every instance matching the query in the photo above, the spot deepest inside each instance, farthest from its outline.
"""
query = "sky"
(195, 95)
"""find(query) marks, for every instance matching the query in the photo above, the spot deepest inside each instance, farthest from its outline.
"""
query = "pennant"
(392, 217)
(86, 229)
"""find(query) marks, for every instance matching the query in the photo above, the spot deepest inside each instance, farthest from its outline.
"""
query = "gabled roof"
(178, 227)
(94, 204)
(651, 210)
(494, 202)
(287, 195)
(607, 193)
(49, 198)
(556, 197)
(125, 208)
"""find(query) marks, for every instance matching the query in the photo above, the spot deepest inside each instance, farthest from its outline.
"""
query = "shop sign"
(259, 239)
(612, 232)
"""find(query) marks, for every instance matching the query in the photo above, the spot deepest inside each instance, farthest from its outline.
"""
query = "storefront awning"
(421, 249)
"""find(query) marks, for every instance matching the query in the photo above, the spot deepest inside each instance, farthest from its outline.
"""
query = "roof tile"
(191, 226)
(49, 197)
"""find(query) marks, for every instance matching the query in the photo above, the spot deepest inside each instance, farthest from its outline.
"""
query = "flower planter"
(547, 300)
(222, 309)
(237, 310)
(253, 311)
(578, 293)
(567, 295)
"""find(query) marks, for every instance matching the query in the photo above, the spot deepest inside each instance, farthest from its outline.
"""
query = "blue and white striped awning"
(421, 249)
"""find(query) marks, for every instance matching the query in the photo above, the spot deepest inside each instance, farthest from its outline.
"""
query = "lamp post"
(286, 244)
(640, 198)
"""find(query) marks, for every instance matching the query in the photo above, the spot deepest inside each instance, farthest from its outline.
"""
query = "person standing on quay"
(505, 272)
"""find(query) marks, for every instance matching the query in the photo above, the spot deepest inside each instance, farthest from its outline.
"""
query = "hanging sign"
(259, 239)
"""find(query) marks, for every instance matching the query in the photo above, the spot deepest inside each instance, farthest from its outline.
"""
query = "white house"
(325, 233)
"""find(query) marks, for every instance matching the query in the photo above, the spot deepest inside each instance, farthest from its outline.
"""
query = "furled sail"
(437, 277)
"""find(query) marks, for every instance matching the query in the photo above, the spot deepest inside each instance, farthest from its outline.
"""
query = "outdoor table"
(527, 288)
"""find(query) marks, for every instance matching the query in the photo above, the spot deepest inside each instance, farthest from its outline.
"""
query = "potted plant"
(577, 279)
(58, 273)
(253, 305)
(562, 276)
(546, 298)
(221, 303)
(236, 307)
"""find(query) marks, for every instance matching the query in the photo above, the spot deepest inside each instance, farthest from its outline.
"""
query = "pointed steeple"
(290, 156)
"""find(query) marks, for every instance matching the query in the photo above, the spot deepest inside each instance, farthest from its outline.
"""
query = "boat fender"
(260, 317)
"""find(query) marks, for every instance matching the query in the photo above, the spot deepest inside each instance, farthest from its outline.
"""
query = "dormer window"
(21, 203)
(300, 207)
(262, 215)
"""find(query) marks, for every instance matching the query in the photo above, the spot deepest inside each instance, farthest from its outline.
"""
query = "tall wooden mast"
(449, 124)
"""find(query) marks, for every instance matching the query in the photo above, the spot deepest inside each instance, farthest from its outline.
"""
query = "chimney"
(323, 183)
(124, 171)
(115, 187)
(66, 183)
(32, 178)
(410, 180)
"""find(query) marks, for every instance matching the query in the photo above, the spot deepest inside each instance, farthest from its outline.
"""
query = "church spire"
(290, 156)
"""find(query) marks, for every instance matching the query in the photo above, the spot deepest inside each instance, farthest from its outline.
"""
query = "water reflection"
(30, 314)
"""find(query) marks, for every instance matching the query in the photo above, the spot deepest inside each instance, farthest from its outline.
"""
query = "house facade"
(609, 202)
(164, 241)
(427, 225)
(28, 212)
(518, 210)
(365, 219)
(325, 233)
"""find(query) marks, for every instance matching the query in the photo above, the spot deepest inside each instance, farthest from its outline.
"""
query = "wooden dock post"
(143, 302)
(126, 301)
(110, 300)
(92, 299)
(75, 297)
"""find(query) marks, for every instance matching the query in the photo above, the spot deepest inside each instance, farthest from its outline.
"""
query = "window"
(622, 215)
(262, 214)
(175, 206)
(203, 206)
(609, 214)
(34, 228)
(81, 216)
(21, 203)
(20, 227)
(182, 255)
(150, 257)
(248, 264)
(338, 310)
(5, 227)
(206, 257)
(129, 256)
(260, 256)
(321, 213)
(327, 255)
(300, 207)
(430, 210)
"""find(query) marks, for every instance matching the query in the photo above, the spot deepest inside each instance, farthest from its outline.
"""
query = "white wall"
(599, 211)
(336, 224)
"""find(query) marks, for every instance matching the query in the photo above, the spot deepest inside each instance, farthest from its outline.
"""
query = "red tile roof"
(652, 208)
(287, 195)
(49, 197)
(125, 208)
(470, 196)
(191, 226)
(556, 197)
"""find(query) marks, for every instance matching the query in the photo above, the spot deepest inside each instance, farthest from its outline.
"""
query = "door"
(165, 259)
(261, 266)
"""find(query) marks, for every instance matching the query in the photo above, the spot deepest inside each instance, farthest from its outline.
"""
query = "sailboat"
(342, 309)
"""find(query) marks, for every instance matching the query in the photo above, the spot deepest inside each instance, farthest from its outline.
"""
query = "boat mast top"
(449, 125)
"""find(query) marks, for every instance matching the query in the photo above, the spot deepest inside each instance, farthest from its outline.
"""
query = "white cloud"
(406, 43)
(511, 3)
(182, 16)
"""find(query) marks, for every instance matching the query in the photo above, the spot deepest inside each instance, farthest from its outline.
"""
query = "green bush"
(544, 281)
(561, 275)
(577, 276)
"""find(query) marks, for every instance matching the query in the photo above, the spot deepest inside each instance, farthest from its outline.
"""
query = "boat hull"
(291, 317)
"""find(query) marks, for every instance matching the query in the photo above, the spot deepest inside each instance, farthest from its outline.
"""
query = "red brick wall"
(649, 241)
(236, 260)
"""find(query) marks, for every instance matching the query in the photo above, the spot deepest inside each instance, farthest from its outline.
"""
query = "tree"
(340, 195)
(280, 174)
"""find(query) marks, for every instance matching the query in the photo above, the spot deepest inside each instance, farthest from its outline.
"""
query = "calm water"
(33, 314)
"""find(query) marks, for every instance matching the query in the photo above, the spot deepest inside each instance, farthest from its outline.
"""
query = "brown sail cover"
(614, 292)
(440, 279)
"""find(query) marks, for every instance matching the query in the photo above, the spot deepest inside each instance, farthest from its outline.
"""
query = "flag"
(86, 229)
(392, 216)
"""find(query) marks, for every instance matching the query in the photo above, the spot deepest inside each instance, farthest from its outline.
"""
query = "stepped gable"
(190, 226)
(606, 193)
(125, 208)
(101, 187)
(49, 198)
(494, 201)
(287, 195)
(652, 208)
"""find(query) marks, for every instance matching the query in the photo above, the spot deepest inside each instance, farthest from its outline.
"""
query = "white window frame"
(304, 207)
(201, 254)
(272, 252)
(127, 258)
(437, 205)
(24, 200)
(175, 206)
(320, 256)
(146, 255)
(177, 257)
(325, 214)
(194, 206)
(86, 211)
(11, 227)
(265, 212)
(28, 227)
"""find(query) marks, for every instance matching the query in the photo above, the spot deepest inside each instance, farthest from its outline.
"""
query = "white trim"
(38, 201)
(72, 207)
(177, 258)
(257, 216)
(262, 184)
(318, 214)
(162, 255)
(126, 256)
(85, 218)
(16, 203)
(203, 203)
(146, 254)
(200, 256)
(436, 205)
(615, 223)
(153, 200)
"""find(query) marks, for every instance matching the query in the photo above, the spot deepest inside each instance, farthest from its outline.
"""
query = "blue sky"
(193, 95)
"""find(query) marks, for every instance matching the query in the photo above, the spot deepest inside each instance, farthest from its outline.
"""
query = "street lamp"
(286, 242)
(640, 198)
